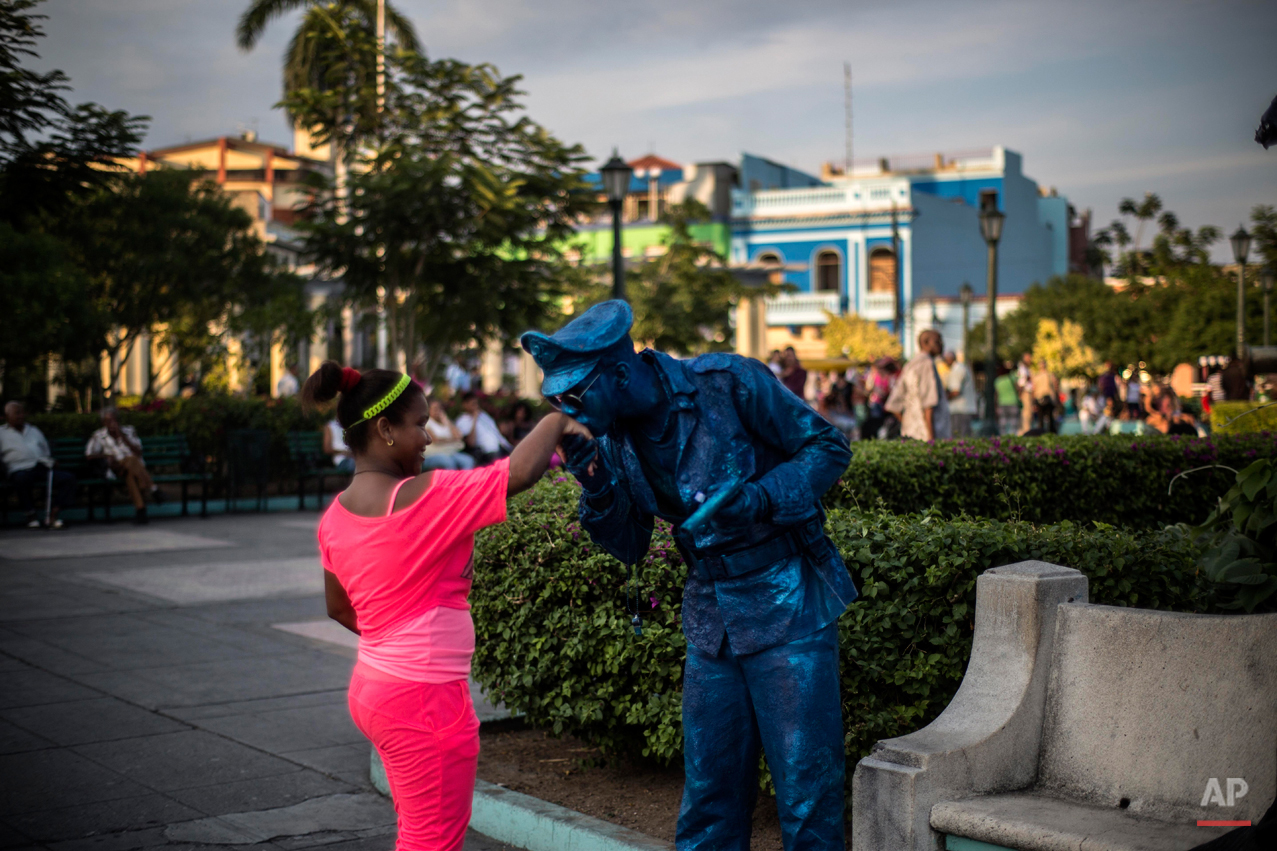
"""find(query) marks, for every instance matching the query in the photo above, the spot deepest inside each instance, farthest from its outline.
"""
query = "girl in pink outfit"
(397, 548)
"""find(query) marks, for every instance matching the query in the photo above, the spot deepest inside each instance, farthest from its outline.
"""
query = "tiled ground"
(147, 700)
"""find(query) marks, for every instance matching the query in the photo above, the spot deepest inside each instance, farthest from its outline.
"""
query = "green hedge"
(204, 419)
(1116, 479)
(554, 638)
(1232, 417)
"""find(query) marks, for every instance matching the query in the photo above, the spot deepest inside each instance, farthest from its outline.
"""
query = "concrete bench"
(1079, 726)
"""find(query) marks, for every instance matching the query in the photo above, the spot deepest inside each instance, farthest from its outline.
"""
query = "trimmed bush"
(1227, 417)
(1114, 479)
(555, 642)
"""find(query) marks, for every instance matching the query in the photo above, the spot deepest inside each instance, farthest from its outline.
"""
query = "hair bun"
(349, 378)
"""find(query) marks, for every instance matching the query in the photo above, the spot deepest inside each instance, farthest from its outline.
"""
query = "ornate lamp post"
(616, 183)
(1241, 250)
(991, 220)
(1268, 291)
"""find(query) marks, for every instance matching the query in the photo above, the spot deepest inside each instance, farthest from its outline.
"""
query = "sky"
(1105, 99)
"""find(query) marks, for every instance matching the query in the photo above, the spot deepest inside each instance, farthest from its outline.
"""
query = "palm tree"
(309, 58)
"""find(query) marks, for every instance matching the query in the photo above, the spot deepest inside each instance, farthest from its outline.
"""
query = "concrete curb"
(536, 825)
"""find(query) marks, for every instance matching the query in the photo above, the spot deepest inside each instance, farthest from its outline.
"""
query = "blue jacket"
(764, 585)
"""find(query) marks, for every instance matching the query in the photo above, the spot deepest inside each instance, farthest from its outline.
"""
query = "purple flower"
(655, 602)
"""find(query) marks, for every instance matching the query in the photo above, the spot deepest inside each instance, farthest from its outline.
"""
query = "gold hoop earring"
(390, 442)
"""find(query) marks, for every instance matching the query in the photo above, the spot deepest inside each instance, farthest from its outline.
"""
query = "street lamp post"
(1241, 250)
(616, 183)
(991, 220)
(897, 315)
(1268, 291)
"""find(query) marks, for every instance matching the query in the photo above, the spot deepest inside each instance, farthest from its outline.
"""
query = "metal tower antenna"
(846, 75)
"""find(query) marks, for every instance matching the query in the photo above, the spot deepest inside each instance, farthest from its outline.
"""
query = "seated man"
(121, 448)
(482, 436)
(26, 455)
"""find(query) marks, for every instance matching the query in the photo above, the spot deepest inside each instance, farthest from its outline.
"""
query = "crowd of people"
(934, 395)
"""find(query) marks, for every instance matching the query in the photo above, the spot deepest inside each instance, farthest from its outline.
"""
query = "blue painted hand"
(750, 506)
(582, 459)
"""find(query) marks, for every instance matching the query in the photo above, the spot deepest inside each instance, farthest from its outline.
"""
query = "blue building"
(832, 238)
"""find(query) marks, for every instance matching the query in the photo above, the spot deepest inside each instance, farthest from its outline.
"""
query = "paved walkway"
(177, 686)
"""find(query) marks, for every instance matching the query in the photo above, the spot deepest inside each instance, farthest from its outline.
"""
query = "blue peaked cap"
(571, 353)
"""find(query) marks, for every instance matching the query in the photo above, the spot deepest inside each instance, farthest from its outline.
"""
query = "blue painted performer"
(720, 448)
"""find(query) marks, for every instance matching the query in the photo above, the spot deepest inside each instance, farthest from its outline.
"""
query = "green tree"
(330, 65)
(169, 255)
(684, 297)
(454, 224)
(52, 156)
(859, 339)
(1263, 229)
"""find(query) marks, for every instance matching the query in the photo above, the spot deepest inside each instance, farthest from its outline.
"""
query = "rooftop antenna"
(846, 77)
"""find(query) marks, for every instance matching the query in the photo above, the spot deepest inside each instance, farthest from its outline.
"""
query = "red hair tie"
(349, 378)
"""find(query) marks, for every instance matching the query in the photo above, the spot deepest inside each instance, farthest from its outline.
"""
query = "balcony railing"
(879, 303)
(858, 197)
(801, 308)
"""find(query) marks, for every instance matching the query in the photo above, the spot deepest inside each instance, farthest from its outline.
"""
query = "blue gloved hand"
(751, 505)
(582, 453)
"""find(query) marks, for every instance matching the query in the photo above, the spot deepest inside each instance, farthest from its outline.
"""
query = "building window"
(828, 272)
(768, 260)
(882, 271)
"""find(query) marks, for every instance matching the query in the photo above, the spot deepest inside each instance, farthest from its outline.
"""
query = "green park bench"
(171, 451)
(162, 452)
(306, 449)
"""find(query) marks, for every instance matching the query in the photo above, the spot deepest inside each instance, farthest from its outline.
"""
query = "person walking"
(1024, 386)
(121, 449)
(1008, 399)
(25, 454)
(792, 374)
(1134, 399)
(919, 398)
(1046, 396)
(397, 548)
(961, 393)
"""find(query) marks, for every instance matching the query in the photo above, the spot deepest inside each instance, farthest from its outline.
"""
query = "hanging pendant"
(637, 623)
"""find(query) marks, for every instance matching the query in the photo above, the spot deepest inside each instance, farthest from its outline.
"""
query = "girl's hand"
(572, 427)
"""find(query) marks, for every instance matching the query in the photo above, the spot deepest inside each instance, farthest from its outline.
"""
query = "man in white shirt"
(480, 431)
(961, 392)
(918, 398)
(121, 448)
(288, 383)
(26, 456)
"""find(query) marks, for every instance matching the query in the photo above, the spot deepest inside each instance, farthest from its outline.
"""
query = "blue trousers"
(784, 700)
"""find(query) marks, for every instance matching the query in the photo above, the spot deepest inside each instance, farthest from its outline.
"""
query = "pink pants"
(428, 737)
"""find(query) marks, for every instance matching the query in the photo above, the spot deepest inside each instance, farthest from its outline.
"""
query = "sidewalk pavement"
(176, 687)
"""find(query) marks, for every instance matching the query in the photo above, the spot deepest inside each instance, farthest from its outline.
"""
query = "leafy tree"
(52, 156)
(1263, 229)
(169, 255)
(861, 340)
(455, 222)
(330, 65)
(1061, 346)
(683, 298)
(50, 152)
